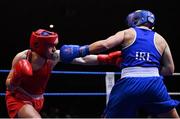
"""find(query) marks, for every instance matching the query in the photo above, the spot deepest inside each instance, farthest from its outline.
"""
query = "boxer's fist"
(113, 58)
(69, 52)
(21, 68)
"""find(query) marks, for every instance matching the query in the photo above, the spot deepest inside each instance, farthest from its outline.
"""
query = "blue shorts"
(130, 94)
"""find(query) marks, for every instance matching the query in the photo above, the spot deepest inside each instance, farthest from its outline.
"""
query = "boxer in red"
(31, 69)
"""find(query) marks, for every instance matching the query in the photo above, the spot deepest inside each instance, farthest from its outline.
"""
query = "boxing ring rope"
(70, 72)
(109, 77)
(79, 72)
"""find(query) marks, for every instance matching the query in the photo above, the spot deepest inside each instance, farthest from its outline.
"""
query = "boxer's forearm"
(87, 60)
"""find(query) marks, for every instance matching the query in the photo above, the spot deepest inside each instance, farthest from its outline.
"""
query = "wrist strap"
(84, 50)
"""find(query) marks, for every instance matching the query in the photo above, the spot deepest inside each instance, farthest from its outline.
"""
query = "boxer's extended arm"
(69, 52)
(113, 58)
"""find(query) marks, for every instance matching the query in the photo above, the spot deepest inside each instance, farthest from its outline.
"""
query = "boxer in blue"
(146, 59)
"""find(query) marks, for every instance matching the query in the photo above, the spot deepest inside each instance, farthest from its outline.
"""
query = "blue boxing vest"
(142, 52)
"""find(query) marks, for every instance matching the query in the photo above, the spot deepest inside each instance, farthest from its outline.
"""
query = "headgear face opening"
(141, 17)
(40, 40)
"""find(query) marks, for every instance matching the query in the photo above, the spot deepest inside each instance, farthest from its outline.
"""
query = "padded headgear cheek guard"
(140, 17)
(40, 40)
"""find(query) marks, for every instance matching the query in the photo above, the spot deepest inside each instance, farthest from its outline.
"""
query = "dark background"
(79, 22)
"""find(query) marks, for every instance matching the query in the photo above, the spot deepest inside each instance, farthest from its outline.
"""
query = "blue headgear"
(140, 17)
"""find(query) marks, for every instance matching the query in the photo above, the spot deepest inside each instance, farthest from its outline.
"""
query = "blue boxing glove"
(69, 52)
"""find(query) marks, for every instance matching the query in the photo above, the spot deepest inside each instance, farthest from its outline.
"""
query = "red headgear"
(40, 39)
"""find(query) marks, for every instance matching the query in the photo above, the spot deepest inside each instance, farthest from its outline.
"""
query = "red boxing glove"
(21, 68)
(113, 58)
